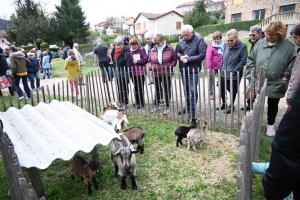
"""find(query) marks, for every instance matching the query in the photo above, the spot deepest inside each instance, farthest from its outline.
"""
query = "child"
(73, 75)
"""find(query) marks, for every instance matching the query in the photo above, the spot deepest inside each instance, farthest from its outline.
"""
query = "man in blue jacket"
(191, 51)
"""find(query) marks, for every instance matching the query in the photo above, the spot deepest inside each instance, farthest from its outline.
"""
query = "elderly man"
(255, 35)
(191, 51)
(102, 58)
(150, 44)
(80, 59)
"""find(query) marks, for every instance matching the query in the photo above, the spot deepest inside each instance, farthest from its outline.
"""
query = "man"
(150, 44)
(102, 58)
(191, 51)
(255, 35)
(66, 52)
(80, 59)
(283, 174)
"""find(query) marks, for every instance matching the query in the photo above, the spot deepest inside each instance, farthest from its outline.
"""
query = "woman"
(112, 50)
(139, 60)
(233, 61)
(46, 64)
(277, 55)
(73, 67)
(3, 71)
(214, 58)
(161, 61)
(122, 63)
(295, 78)
(33, 71)
(18, 64)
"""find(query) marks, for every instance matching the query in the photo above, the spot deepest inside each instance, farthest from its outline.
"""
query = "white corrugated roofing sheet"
(46, 132)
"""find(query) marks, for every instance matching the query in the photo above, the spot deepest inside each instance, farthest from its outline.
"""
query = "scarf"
(159, 52)
(231, 47)
(118, 52)
(220, 46)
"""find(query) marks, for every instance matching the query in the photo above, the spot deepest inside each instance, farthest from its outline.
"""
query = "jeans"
(272, 110)
(105, 64)
(25, 85)
(46, 72)
(190, 82)
(31, 78)
(138, 82)
(165, 83)
(211, 81)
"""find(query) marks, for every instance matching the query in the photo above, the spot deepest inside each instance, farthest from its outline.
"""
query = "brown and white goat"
(197, 136)
(136, 135)
(114, 118)
(85, 170)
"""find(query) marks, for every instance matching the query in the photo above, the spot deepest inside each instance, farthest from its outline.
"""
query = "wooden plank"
(36, 182)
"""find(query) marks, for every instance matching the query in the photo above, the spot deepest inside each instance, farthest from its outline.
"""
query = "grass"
(164, 171)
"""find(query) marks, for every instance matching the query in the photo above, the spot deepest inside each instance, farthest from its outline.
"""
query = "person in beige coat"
(295, 78)
(80, 59)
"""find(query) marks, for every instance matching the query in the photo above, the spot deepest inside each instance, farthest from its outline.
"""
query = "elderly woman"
(214, 58)
(139, 60)
(122, 62)
(161, 61)
(295, 78)
(233, 61)
(277, 55)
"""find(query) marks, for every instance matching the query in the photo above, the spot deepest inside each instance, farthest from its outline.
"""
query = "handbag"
(250, 92)
(4, 82)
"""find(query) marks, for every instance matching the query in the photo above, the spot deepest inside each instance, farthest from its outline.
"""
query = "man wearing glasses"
(255, 35)
(191, 51)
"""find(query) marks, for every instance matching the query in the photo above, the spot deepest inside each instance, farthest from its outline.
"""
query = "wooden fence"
(250, 141)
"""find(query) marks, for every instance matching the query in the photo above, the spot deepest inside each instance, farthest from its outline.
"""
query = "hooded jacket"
(123, 64)
(18, 63)
(73, 69)
(33, 67)
(139, 68)
(3, 62)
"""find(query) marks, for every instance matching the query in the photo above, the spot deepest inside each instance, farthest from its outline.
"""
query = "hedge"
(223, 28)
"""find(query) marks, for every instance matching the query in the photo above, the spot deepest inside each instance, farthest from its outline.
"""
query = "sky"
(98, 10)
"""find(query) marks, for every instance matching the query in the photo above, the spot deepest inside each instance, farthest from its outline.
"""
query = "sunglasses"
(230, 40)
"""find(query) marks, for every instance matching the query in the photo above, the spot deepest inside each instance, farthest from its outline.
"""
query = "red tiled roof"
(100, 24)
(154, 15)
(142, 32)
(186, 4)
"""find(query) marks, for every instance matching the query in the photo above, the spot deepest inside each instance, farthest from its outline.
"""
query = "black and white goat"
(85, 170)
(136, 135)
(182, 131)
(123, 157)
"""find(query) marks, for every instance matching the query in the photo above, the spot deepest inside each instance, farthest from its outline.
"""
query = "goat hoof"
(134, 188)
(123, 187)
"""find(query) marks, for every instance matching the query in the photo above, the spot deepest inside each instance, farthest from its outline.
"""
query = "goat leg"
(116, 170)
(72, 176)
(142, 149)
(133, 183)
(89, 188)
(194, 147)
(123, 182)
(95, 183)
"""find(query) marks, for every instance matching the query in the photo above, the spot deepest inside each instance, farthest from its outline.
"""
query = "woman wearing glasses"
(277, 55)
(161, 61)
(233, 61)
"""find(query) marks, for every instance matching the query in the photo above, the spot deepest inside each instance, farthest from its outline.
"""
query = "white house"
(110, 30)
(166, 23)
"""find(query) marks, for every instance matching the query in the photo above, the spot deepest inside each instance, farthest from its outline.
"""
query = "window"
(138, 26)
(259, 14)
(178, 25)
(144, 25)
(236, 17)
(287, 8)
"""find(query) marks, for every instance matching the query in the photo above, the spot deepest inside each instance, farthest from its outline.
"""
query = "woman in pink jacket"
(162, 59)
(214, 58)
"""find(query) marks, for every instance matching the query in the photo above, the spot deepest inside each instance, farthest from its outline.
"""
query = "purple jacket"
(213, 58)
(169, 61)
(139, 68)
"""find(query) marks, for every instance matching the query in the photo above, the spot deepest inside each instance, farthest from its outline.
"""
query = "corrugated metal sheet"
(46, 132)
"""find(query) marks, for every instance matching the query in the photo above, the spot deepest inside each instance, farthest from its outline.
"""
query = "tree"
(71, 21)
(198, 16)
(29, 24)
(110, 21)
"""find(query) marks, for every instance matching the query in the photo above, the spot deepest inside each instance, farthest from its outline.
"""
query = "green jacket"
(278, 61)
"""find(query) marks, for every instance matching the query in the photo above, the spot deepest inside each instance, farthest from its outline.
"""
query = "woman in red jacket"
(161, 61)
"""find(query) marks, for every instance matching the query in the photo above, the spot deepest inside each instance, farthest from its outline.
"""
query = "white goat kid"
(115, 118)
(197, 136)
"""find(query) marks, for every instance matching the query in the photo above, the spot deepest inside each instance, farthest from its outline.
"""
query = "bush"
(171, 38)
(213, 21)
(114, 35)
(105, 38)
(223, 28)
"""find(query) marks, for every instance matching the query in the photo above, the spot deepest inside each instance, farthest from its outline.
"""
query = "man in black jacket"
(191, 51)
(283, 175)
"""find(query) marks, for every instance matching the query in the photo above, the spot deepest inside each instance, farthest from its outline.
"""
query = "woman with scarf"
(233, 61)
(122, 62)
(162, 59)
(139, 60)
(214, 58)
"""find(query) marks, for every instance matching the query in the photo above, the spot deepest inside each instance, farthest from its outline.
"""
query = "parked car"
(54, 54)
(53, 46)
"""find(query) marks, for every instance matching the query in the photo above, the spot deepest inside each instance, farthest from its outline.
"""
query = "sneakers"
(247, 108)
(166, 111)
(270, 130)
(211, 96)
(181, 112)
(78, 97)
(22, 97)
(155, 109)
(223, 107)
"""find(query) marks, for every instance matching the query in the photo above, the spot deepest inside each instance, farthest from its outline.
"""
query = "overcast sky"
(98, 10)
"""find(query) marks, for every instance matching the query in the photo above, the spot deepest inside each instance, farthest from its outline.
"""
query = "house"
(210, 6)
(185, 7)
(3, 41)
(110, 30)
(243, 10)
(129, 23)
(166, 23)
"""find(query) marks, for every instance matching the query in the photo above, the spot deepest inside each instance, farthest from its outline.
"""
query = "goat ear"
(132, 149)
(117, 153)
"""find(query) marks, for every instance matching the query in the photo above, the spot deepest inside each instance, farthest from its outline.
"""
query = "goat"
(182, 131)
(85, 170)
(115, 118)
(123, 157)
(136, 134)
(196, 136)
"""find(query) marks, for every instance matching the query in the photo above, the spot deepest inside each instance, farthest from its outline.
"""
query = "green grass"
(221, 21)
(164, 170)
